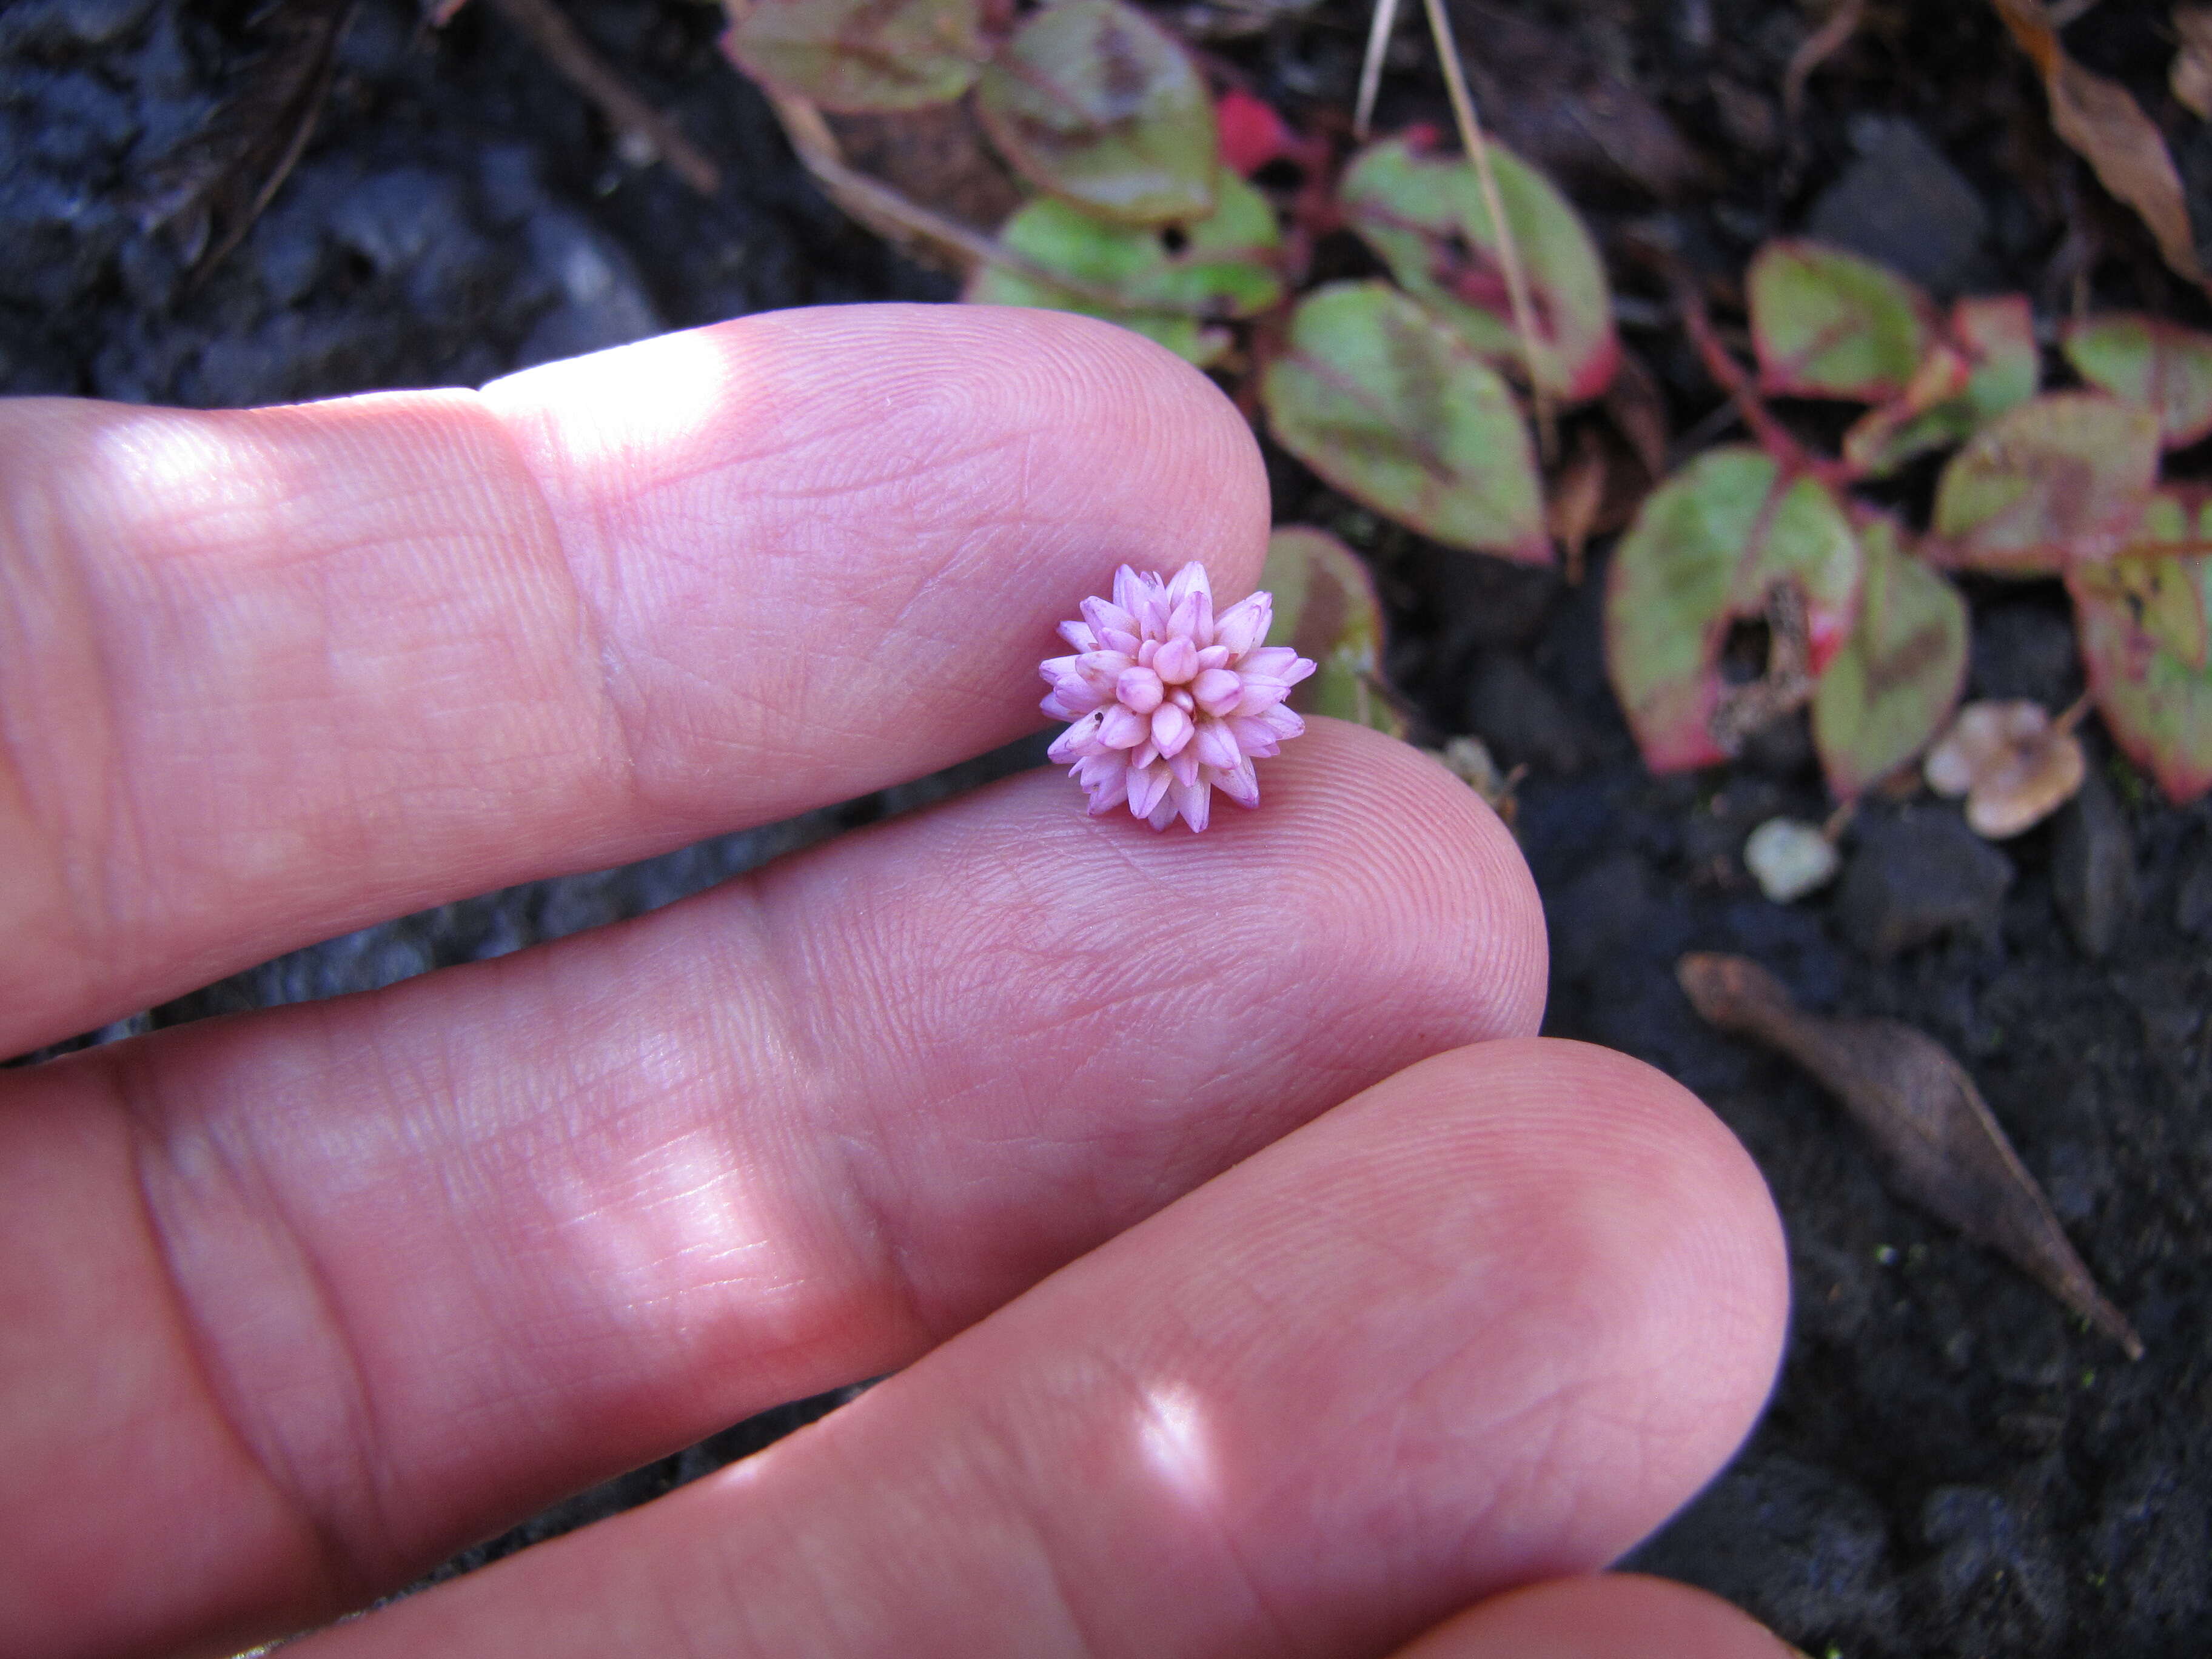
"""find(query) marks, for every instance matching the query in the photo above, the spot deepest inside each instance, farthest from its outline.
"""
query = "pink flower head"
(1169, 701)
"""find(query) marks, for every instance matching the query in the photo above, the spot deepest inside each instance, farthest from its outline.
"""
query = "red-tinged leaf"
(1093, 102)
(2105, 125)
(1223, 267)
(1702, 554)
(1995, 338)
(1827, 324)
(1395, 409)
(859, 55)
(2163, 367)
(1940, 1145)
(1252, 133)
(2142, 622)
(1894, 683)
(1326, 606)
(1424, 215)
(2061, 479)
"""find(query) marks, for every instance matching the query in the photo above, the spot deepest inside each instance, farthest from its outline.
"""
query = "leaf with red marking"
(1395, 409)
(1327, 608)
(1220, 268)
(2059, 480)
(2162, 366)
(1703, 553)
(1894, 683)
(1425, 215)
(1093, 102)
(1827, 324)
(1993, 341)
(860, 55)
(2143, 621)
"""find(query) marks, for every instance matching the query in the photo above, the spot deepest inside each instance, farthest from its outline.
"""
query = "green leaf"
(2061, 478)
(1396, 410)
(2143, 621)
(1992, 341)
(859, 55)
(1426, 216)
(1223, 268)
(1827, 324)
(2149, 362)
(1706, 547)
(1894, 683)
(1094, 102)
(1326, 607)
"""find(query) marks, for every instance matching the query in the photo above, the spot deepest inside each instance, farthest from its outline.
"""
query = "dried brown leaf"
(2190, 77)
(2102, 122)
(2012, 762)
(1941, 1147)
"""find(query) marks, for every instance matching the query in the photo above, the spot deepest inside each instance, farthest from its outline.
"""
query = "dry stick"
(568, 51)
(1819, 46)
(1509, 250)
(896, 216)
(1370, 67)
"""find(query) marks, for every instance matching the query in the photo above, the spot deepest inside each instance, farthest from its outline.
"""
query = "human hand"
(298, 1303)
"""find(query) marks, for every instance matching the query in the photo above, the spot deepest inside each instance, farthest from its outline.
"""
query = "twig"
(891, 213)
(1728, 374)
(1818, 47)
(1509, 249)
(1370, 67)
(570, 53)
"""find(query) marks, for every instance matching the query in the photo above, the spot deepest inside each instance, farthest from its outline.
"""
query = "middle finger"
(448, 1249)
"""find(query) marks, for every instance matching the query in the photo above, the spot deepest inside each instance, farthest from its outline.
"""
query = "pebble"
(1522, 719)
(1790, 858)
(1918, 877)
(2093, 868)
(1902, 204)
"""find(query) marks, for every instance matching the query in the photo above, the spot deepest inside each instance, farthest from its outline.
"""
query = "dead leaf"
(2190, 77)
(1574, 498)
(936, 155)
(1940, 1145)
(2103, 123)
(2012, 762)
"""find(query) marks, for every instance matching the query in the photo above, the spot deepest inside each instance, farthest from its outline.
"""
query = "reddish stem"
(1776, 440)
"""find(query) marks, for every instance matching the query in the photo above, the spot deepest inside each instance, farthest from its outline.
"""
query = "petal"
(1147, 788)
(1078, 740)
(1176, 660)
(1139, 689)
(1123, 639)
(1270, 662)
(1109, 791)
(1105, 617)
(1079, 635)
(1245, 623)
(1241, 784)
(1188, 581)
(1143, 754)
(1121, 728)
(1183, 767)
(1056, 669)
(1282, 722)
(1214, 656)
(1194, 802)
(1162, 814)
(1171, 729)
(1182, 621)
(1215, 746)
(1217, 690)
(1256, 697)
(1129, 589)
(1255, 738)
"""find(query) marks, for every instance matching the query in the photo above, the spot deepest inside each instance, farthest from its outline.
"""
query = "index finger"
(266, 676)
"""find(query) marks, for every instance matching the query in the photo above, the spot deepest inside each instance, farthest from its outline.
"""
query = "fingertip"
(1603, 1616)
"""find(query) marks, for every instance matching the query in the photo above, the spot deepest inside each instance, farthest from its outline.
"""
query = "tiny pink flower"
(1170, 702)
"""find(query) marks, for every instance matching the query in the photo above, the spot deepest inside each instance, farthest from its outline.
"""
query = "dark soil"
(1952, 1465)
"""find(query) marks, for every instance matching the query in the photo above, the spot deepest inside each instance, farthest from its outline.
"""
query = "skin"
(1257, 1282)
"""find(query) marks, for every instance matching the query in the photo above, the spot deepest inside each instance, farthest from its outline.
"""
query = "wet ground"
(1953, 1465)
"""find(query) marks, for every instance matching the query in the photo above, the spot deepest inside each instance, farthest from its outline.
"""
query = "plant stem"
(1509, 250)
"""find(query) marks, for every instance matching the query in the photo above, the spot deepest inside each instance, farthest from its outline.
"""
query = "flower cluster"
(1169, 701)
